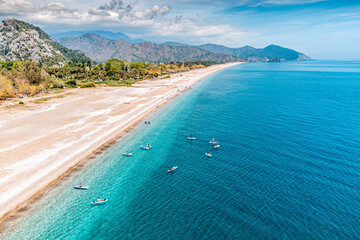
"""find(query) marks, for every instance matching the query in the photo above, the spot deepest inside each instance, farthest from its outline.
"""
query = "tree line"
(27, 78)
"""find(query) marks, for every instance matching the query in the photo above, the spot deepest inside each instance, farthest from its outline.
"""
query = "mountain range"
(21, 41)
(101, 49)
(105, 34)
(258, 54)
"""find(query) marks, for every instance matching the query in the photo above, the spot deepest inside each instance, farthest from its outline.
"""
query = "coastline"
(67, 138)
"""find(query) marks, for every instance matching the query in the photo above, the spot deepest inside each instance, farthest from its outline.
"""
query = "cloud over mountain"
(118, 13)
(318, 27)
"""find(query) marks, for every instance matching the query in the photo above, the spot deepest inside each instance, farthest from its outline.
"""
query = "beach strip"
(40, 147)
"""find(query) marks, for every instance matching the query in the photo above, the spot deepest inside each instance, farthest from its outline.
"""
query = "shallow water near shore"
(287, 168)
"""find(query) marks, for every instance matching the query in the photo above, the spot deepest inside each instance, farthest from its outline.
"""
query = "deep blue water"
(288, 166)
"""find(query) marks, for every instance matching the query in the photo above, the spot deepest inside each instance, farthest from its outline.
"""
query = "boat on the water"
(172, 169)
(216, 146)
(81, 187)
(99, 201)
(208, 154)
(146, 147)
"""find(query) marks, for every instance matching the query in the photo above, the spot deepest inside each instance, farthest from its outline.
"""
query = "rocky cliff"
(21, 41)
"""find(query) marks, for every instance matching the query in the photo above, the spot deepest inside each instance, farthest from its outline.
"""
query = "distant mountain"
(20, 41)
(269, 53)
(101, 49)
(105, 34)
(175, 44)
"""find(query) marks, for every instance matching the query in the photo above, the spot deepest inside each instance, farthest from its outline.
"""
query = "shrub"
(21, 102)
(71, 83)
(6, 88)
(32, 72)
(88, 85)
(23, 88)
(34, 89)
(57, 85)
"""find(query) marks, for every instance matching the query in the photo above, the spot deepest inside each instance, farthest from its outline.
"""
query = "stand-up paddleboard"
(81, 188)
(146, 147)
(208, 154)
(216, 146)
(213, 141)
(191, 138)
(127, 154)
(103, 201)
(172, 169)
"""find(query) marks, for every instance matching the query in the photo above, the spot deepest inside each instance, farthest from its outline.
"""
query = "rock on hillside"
(21, 41)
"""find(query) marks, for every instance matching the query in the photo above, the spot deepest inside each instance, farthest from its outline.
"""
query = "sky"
(321, 29)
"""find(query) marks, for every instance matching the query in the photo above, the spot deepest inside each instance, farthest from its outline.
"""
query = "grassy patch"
(123, 83)
(88, 85)
(16, 106)
(45, 99)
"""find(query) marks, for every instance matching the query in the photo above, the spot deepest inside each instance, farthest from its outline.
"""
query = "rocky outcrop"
(21, 41)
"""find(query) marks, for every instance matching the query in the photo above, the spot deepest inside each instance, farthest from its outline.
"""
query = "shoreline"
(134, 104)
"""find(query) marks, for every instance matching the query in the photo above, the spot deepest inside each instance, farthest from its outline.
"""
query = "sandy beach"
(41, 143)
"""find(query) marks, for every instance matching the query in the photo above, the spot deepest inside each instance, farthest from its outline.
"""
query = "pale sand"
(38, 146)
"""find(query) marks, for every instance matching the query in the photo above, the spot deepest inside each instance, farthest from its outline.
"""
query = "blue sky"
(322, 29)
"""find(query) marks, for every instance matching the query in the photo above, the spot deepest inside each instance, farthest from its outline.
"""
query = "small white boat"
(208, 154)
(172, 169)
(146, 147)
(102, 201)
(216, 146)
(127, 154)
(81, 187)
(191, 138)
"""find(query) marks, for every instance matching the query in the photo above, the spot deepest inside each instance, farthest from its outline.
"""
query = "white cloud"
(117, 14)
(56, 7)
(16, 7)
(155, 12)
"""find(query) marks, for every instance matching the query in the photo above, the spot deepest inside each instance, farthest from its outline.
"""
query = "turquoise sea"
(288, 166)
